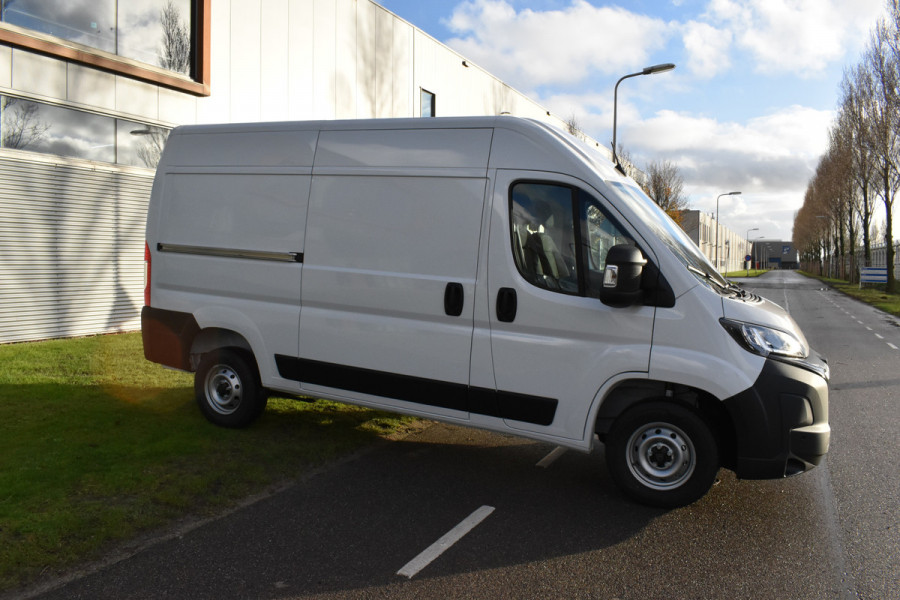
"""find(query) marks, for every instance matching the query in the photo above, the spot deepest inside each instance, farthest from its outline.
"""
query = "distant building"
(733, 247)
(775, 254)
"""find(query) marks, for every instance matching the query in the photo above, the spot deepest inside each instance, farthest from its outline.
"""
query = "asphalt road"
(561, 529)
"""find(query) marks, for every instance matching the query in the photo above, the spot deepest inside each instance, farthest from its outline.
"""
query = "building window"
(49, 129)
(428, 107)
(169, 37)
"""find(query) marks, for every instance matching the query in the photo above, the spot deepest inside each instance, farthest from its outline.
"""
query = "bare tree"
(175, 54)
(852, 122)
(665, 186)
(21, 126)
(626, 161)
(882, 61)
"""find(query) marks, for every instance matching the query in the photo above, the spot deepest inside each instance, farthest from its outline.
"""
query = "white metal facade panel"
(5, 66)
(274, 68)
(245, 60)
(71, 247)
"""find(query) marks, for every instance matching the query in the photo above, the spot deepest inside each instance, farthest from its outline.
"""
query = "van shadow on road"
(349, 530)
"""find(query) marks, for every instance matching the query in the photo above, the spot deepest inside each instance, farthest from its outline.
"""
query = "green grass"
(98, 445)
(746, 273)
(870, 294)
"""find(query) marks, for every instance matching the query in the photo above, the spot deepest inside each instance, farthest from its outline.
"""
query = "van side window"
(543, 235)
(560, 237)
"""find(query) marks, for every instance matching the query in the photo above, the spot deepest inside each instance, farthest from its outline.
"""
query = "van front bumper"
(780, 423)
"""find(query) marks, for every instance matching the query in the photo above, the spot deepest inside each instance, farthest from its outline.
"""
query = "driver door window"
(560, 237)
(543, 236)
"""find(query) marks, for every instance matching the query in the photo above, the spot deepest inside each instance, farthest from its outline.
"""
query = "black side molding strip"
(429, 392)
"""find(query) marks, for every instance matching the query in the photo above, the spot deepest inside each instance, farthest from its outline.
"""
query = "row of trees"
(859, 174)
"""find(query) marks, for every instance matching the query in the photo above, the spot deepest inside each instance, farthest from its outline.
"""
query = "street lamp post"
(646, 71)
(717, 224)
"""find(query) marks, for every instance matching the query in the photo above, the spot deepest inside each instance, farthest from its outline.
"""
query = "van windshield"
(669, 232)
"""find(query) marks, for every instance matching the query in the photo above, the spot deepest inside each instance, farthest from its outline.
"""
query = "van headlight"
(764, 340)
(776, 344)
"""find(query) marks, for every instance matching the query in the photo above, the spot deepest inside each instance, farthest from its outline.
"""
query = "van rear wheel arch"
(217, 338)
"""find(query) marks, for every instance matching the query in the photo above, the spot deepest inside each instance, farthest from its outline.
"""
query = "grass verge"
(746, 273)
(98, 445)
(870, 294)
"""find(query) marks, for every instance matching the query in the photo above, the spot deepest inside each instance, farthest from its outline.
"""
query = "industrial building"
(89, 91)
(727, 249)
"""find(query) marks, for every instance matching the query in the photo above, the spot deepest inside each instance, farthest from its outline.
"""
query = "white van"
(484, 271)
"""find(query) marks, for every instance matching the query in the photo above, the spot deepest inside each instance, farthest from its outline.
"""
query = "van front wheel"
(228, 390)
(662, 454)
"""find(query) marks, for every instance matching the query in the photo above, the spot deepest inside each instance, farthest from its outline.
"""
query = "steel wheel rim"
(224, 390)
(661, 456)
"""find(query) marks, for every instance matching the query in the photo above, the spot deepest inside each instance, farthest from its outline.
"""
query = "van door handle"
(507, 304)
(454, 299)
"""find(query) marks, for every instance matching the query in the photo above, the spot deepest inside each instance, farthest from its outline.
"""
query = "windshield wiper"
(728, 286)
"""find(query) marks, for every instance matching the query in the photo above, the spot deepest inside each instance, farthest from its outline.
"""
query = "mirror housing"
(622, 276)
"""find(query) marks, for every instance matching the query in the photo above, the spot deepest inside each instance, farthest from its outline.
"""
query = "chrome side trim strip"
(296, 257)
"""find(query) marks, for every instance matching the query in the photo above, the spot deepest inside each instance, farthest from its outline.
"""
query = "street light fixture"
(662, 68)
(717, 224)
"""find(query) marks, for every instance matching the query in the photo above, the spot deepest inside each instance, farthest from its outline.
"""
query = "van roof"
(537, 154)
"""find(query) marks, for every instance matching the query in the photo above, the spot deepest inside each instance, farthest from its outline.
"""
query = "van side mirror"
(622, 276)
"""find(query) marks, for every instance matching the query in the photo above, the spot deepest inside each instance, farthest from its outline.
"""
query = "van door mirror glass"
(622, 276)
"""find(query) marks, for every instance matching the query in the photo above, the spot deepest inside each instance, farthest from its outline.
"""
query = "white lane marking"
(893, 346)
(869, 328)
(550, 458)
(445, 542)
(879, 337)
(860, 322)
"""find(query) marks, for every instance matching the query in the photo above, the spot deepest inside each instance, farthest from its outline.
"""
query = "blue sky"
(747, 108)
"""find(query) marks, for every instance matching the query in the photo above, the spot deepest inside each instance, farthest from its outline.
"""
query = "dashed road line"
(550, 458)
(893, 346)
(425, 558)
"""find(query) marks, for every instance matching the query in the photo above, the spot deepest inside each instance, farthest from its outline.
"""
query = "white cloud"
(556, 47)
(770, 159)
(707, 49)
(795, 36)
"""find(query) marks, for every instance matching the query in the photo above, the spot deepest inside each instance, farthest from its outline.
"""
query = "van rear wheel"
(662, 454)
(228, 390)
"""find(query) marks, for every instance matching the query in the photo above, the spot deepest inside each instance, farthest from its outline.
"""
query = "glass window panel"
(50, 129)
(138, 144)
(428, 108)
(543, 236)
(88, 22)
(157, 32)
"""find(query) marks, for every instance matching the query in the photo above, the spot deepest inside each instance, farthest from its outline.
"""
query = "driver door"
(553, 343)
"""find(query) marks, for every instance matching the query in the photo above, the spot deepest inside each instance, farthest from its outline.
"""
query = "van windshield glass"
(668, 231)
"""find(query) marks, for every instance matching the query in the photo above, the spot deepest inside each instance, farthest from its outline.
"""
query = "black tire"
(662, 454)
(228, 390)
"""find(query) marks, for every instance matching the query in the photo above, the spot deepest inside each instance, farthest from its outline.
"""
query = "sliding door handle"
(454, 299)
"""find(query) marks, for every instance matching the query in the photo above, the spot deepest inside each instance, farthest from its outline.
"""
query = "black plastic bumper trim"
(167, 336)
(781, 422)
